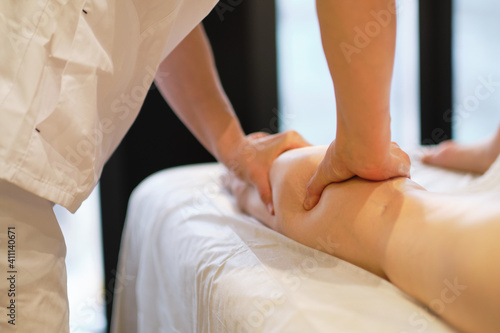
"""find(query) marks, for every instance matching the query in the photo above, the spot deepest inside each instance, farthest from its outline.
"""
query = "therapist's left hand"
(255, 155)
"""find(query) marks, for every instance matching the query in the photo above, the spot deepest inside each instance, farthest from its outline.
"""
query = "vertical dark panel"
(242, 34)
(263, 60)
(435, 70)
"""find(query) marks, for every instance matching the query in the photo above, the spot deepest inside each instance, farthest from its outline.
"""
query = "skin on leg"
(422, 242)
(477, 157)
(442, 251)
(342, 222)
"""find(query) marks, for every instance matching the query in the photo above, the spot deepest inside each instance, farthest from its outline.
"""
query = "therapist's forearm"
(188, 80)
(359, 42)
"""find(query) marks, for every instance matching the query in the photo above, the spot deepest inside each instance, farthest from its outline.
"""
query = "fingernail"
(307, 204)
(270, 208)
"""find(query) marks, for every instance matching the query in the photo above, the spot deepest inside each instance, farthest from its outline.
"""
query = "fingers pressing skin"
(264, 188)
(337, 167)
(329, 171)
(258, 175)
(401, 163)
(277, 144)
(255, 157)
(315, 188)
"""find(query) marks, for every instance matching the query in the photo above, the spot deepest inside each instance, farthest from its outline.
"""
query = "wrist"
(229, 144)
(370, 136)
(365, 157)
(363, 148)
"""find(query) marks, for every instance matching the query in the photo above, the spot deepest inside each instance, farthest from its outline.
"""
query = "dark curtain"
(242, 34)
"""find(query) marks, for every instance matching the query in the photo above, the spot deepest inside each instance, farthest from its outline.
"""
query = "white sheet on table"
(191, 262)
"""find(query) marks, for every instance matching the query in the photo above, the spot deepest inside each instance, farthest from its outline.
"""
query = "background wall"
(476, 59)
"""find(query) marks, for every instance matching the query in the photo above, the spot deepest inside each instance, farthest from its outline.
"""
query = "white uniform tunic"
(73, 76)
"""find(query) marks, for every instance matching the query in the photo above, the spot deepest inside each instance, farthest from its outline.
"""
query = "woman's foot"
(475, 158)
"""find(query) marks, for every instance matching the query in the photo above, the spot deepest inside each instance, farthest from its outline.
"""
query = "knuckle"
(293, 135)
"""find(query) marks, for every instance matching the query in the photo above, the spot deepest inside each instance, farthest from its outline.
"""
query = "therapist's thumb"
(264, 189)
(315, 188)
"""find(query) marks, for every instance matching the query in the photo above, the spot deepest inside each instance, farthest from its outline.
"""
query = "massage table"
(191, 261)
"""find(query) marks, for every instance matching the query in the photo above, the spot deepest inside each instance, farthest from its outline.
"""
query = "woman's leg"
(471, 158)
(33, 295)
(338, 221)
(441, 249)
(444, 251)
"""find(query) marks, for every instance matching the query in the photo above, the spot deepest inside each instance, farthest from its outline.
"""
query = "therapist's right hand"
(342, 162)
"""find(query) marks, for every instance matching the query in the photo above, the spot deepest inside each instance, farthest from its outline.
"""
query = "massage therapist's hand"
(254, 156)
(343, 162)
